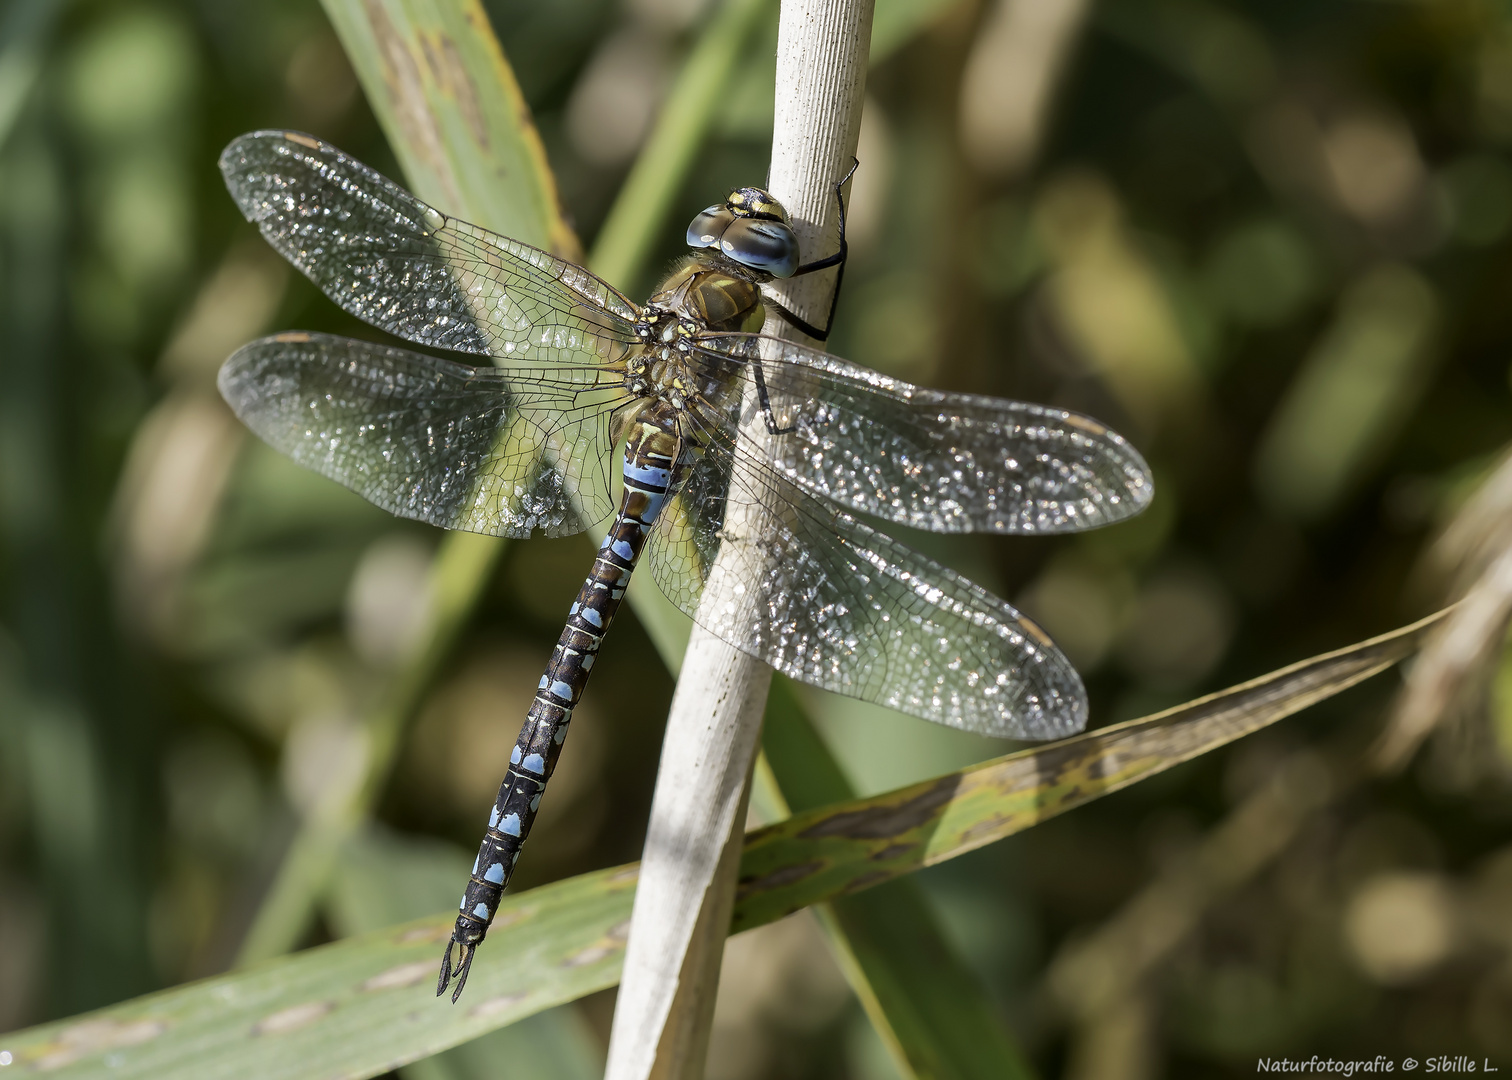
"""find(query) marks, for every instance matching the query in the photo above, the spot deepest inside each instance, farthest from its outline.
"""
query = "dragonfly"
(750, 464)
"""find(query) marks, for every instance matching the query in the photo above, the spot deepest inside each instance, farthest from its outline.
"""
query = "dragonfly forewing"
(404, 267)
(507, 452)
(933, 460)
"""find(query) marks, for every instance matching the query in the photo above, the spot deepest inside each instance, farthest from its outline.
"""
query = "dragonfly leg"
(766, 405)
(837, 259)
(798, 321)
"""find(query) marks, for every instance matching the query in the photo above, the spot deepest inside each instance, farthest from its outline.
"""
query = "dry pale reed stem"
(822, 47)
(687, 882)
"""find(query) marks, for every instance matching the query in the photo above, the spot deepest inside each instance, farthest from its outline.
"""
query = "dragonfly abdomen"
(650, 472)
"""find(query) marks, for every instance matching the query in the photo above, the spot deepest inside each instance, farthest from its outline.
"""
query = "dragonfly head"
(750, 228)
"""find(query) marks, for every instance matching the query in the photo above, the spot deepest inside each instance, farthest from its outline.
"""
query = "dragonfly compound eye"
(706, 229)
(751, 228)
(768, 246)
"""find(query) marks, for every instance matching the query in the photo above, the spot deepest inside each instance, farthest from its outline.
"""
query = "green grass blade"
(361, 1006)
(436, 77)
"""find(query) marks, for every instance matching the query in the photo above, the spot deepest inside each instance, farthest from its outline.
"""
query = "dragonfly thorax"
(705, 294)
(712, 293)
(660, 370)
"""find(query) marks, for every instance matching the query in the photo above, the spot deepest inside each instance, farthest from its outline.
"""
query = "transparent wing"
(395, 262)
(929, 459)
(836, 604)
(484, 449)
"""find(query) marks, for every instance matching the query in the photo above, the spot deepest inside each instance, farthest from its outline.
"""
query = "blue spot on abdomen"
(654, 504)
(649, 475)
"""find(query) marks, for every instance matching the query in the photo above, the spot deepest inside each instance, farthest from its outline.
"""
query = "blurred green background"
(1269, 242)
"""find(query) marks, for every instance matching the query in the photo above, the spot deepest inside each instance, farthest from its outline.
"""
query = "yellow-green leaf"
(438, 81)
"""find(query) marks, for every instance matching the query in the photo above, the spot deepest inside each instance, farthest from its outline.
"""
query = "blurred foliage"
(1271, 243)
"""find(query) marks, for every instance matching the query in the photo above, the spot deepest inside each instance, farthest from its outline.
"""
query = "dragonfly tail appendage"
(448, 973)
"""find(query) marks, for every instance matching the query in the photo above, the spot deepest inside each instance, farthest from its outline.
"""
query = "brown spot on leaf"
(292, 1018)
(866, 881)
(406, 90)
(592, 954)
(885, 822)
(422, 934)
(436, 70)
(94, 1037)
(402, 975)
(459, 81)
(495, 1005)
(988, 829)
(784, 875)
